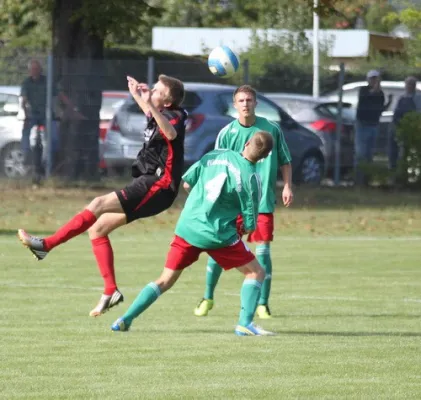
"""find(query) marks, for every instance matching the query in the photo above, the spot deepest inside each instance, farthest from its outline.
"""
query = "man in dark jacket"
(409, 101)
(371, 104)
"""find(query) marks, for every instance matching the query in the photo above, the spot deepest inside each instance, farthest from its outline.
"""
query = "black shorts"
(145, 196)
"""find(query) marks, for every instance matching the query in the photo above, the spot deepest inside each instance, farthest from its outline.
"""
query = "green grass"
(346, 299)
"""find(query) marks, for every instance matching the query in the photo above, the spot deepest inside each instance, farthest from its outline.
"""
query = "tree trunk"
(78, 54)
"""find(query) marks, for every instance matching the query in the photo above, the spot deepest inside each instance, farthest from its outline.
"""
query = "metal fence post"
(151, 71)
(49, 115)
(246, 72)
(339, 126)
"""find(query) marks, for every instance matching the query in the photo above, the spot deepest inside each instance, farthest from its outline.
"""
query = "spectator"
(409, 101)
(34, 104)
(371, 104)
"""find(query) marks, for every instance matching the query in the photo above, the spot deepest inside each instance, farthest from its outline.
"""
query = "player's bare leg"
(81, 222)
(148, 295)
(250, 293)
(101, 246)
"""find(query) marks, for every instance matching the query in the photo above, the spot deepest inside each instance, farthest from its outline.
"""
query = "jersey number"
(214, 186)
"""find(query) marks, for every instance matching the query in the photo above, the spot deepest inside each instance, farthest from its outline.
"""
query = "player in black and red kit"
(157, 174)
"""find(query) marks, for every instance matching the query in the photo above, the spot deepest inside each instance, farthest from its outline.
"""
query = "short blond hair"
(261, 144)
(175, 89)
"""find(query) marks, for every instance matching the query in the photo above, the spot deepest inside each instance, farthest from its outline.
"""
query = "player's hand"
(133, 86)
(287, 196)
(145, 92)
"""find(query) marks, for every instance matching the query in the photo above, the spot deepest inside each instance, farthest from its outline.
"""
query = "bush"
(408, 133)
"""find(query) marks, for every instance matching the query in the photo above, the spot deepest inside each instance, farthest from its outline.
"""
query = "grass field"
(346, 300)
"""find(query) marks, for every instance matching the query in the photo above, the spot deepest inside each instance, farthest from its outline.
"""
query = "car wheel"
(12, 162)
(310, 171)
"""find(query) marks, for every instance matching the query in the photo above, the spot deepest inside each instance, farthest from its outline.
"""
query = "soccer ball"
(223, 62)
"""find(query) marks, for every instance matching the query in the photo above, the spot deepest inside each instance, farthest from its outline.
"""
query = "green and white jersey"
(234, 137)
(223, 185)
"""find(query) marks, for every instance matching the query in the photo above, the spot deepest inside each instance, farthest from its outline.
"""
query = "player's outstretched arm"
(134, 87)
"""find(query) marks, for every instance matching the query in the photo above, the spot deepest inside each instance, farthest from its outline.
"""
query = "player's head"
(167, 92)
(34, 68)
(258, 147)
(244, 99)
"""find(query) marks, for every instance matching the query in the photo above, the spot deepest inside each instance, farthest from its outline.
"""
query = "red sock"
(77, 225)
(105, 260)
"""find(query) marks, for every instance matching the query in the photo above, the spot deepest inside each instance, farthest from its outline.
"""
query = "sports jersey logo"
(234, 130)
(148, 134)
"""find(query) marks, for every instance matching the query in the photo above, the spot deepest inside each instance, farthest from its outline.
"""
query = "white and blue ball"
(223, 62)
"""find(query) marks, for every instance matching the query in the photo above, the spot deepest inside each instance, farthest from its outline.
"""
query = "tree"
(411, 18)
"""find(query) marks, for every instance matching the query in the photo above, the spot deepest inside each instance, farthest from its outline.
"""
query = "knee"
(164, 284)
(97, 230)
(257, 273)
(96, 205)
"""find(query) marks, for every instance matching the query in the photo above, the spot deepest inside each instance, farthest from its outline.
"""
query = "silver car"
(210, 108)
(11, 124)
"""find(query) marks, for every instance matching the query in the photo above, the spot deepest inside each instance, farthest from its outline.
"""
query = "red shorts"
(183, 254)
(264, 228)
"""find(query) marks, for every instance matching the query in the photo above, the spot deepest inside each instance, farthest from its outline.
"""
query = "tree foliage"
(411, 18)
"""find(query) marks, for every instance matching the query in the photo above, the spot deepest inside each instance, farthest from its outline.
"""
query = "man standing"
(34, 104)
(157, 174)
(409, 101)
(234, 136)
(223, 185)
(371, 104)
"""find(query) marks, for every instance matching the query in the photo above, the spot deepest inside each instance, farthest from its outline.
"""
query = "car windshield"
(111, 104)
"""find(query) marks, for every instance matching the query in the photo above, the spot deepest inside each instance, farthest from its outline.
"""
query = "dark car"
(319, 114)
(210, 108)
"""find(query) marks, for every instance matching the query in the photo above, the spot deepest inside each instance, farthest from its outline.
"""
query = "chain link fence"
(91, 128)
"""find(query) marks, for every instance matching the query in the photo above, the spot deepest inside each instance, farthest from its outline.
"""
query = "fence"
(83, 95)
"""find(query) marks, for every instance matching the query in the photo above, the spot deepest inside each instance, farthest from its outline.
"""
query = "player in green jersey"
(222, 185)
(233, 137)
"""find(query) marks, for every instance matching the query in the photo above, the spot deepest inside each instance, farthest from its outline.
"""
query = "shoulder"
(268, 125)
(176, 113)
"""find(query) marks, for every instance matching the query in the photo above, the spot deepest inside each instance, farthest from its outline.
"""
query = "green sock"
(213, 272)
(144, 299)
(250, 292)
(263, 256)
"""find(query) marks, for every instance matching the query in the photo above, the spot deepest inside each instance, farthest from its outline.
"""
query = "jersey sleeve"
(249, 199)
(191, 176)
(284, 156)
(176, 117)
(222, 139)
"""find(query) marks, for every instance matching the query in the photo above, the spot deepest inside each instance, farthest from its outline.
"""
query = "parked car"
(320, 116)
(11, 123)
(210, 108)
(395, 88)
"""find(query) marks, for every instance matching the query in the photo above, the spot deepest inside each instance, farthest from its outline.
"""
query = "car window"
(332, 110)
(111, 104)
(191, 101)
(263, 109)
(293, 106)
(133, 108)
(9, 104)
